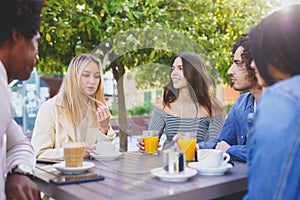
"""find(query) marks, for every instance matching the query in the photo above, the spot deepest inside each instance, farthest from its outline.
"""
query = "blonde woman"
(77, 113)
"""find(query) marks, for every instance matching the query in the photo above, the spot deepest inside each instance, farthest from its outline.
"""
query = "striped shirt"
(207, 128)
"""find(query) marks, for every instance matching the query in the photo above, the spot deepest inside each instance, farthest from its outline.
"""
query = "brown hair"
(201, 86)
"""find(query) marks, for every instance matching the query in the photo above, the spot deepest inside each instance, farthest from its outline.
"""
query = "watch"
(22, 170)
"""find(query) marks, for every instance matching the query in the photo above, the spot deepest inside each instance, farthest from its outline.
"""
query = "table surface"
(129, 177)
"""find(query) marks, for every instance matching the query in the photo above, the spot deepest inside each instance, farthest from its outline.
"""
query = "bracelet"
(22, 170)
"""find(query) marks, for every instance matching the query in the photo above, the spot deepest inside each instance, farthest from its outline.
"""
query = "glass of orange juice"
(187, 143)
(151, 141)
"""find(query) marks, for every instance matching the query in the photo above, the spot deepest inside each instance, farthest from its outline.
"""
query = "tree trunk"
(122, 116)
(119, 71)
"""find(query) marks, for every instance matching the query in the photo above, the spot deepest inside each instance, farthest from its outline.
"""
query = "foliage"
(227, 108)
(114, 109)
(143, 110)
(214, 25)
(71, 27)
(68, 28)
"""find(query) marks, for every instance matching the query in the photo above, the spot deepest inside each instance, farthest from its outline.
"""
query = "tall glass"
(187, 143)
(151, 141)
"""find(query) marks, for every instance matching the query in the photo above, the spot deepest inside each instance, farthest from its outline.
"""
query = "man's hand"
(223, 146)
(21, 187)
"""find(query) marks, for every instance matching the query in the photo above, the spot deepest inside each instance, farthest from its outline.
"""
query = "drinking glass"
(187, 143)
(73, 154)
(151, 141)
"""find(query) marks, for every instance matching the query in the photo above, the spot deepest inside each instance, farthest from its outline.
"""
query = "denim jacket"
(235, 128)
(274, 143)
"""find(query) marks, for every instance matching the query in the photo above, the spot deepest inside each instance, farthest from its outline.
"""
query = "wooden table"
(129, 177)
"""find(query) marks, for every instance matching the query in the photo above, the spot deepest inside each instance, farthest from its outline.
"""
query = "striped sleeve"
(157, 121)
(215, 127)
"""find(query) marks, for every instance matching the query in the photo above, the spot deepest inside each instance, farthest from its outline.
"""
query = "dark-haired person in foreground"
(233, 136)
(274, 140)
(19, 39)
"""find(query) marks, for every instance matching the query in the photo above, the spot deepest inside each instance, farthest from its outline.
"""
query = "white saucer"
(114, 156)
(165, 176)
(73, 170)
(210, 171)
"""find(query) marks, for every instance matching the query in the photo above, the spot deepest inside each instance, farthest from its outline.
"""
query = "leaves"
(144, 32)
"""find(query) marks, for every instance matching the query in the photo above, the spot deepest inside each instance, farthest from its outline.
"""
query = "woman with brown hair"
(188, 103)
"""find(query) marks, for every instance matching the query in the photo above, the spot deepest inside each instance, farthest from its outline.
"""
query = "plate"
(106, 157)
(210, 171)
(165, 176)
(73, 170)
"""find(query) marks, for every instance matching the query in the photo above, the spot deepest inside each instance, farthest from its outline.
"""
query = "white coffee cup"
(105, 148)
(212, 158)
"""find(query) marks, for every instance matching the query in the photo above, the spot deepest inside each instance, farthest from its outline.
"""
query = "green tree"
(214, 25)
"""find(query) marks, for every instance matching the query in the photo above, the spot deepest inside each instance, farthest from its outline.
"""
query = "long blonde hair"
(73, 94)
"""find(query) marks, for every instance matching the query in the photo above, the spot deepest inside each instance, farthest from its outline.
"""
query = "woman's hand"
(87, 150)
(103, 116)
(141, 144)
